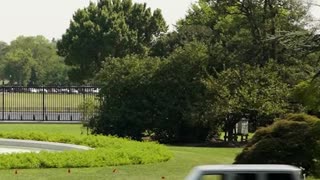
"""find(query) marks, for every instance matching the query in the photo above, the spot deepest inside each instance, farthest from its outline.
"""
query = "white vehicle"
(43, 90)
(97, 90)
(53, 90)
(245, 172)
(74, 91)
(64, 90)
(33, 90)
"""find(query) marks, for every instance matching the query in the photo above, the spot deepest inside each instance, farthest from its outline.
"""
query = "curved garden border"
(42, 145)
(99, 151)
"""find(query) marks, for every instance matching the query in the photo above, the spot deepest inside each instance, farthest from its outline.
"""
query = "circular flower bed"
(108, 151)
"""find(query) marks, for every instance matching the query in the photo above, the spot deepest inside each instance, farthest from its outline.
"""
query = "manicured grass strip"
(184, 159)
(58, 101)
(110, 151)
(67, 129)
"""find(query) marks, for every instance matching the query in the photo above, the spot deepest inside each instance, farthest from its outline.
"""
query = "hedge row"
(109, 151)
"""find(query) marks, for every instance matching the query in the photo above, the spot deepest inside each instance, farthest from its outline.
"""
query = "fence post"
(84, 93)
(3, 100)
(83, 118)
(43, 104)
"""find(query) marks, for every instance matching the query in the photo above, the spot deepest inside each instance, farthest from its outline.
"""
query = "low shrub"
(293, 140)
(109, 151)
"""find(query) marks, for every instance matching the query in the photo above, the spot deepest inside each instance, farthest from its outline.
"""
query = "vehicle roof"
(248, 167)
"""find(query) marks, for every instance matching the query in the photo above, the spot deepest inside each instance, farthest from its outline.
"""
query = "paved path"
(41, 145)
(8, 146)
(8, 150)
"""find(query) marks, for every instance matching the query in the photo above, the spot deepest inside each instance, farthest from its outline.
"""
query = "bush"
(87, 109)
(126, 99)
(292, 140)
(109, 151)
(164, 96)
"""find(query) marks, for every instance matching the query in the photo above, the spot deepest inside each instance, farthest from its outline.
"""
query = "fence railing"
(45, 103)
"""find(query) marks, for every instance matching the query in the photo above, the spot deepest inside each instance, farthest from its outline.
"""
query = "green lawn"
(70, 129)
(14, 101)
(177, 168)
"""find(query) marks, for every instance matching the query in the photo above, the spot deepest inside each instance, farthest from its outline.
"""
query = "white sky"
(51, 17)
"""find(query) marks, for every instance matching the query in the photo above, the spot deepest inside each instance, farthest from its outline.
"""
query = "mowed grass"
(176, 168)
(69, 129)
(185, 158)
(14, 101)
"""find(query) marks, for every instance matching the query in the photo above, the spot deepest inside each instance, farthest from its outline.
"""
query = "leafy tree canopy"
(162, 96)
(33, 61)
(110, 28)
(253, 88)
(247, 31)
(257, 93)
(225, 60)
(167, 43)
(3, 47)
(307, 93)
(127, 97)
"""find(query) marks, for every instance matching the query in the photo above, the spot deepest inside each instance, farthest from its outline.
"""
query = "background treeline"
(32, 61)
(225, 60)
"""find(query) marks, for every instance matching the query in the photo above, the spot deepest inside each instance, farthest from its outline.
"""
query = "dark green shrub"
(164, 96)
(127, 100)
(292, 140)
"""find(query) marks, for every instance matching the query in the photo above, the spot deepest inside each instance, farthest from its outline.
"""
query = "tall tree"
(307, 94)
(110, 28)
(3, 49)
(257, 93)
(37, 59)
(127, 96)
(181, 104)
(167, 43)
(165, 96)
(247, 31)
(18, 66)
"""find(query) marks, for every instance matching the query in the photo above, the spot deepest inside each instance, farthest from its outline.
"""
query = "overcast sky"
(51, 17)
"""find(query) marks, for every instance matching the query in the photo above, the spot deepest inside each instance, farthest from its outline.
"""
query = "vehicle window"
(279, 176)
(245, 176)
(212, 177)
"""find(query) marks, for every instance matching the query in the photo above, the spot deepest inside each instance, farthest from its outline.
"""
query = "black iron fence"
(47, 103)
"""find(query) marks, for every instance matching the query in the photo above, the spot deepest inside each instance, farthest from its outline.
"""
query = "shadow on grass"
(211, 144)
